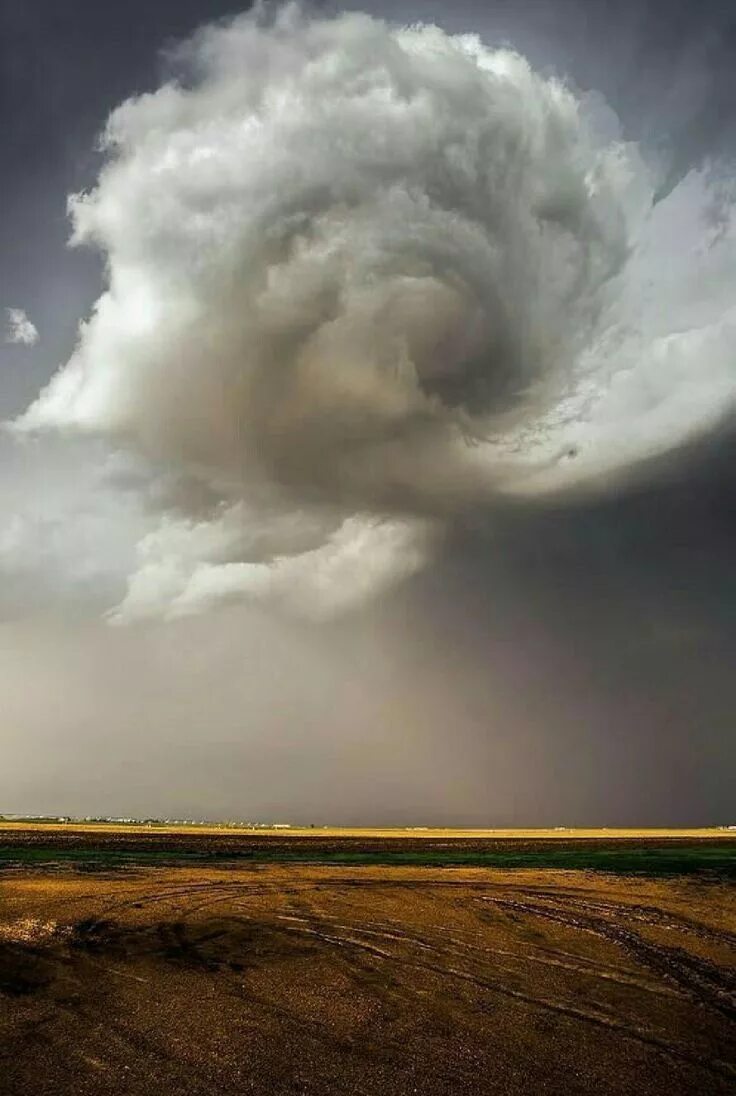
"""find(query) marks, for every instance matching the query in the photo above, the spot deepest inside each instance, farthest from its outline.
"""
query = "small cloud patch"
(19, 329)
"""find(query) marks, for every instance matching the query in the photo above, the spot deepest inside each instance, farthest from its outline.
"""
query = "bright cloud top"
(364, 278)
(19, 329)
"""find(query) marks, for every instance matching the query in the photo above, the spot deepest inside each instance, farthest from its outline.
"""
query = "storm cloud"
(363, 280)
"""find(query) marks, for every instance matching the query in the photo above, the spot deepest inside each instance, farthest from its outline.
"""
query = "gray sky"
(565, 661)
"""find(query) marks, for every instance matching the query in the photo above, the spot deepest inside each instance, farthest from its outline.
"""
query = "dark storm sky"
(563, 665)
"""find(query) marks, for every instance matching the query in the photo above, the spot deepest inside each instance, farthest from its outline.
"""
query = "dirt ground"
(276, 979)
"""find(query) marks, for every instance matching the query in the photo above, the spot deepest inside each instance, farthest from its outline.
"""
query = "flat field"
(91, 846)
(137, 961)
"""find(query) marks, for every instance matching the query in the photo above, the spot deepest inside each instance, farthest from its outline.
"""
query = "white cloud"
(349, 566)
(19, 329)
(361, 278)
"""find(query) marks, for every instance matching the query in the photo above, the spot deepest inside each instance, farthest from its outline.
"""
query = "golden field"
(141, 960)
(413, 832)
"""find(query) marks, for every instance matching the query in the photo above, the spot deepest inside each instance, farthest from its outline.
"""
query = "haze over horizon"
(389, 478)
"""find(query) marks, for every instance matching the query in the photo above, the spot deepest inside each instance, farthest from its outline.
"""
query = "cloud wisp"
(19, 330)
(363, 279)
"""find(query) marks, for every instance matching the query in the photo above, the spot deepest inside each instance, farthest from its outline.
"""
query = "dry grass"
(414, 833)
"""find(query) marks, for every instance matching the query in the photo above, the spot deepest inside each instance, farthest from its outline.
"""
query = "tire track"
(704, 981)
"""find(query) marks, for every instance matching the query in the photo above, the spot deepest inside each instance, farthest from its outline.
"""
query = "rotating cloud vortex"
(364, 278)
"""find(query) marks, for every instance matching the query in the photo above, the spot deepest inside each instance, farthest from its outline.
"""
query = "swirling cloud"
(363, 279)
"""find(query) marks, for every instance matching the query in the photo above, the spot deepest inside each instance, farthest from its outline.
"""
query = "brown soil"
(276, 979)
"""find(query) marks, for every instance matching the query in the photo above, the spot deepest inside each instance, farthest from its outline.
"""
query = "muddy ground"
(294, 978)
